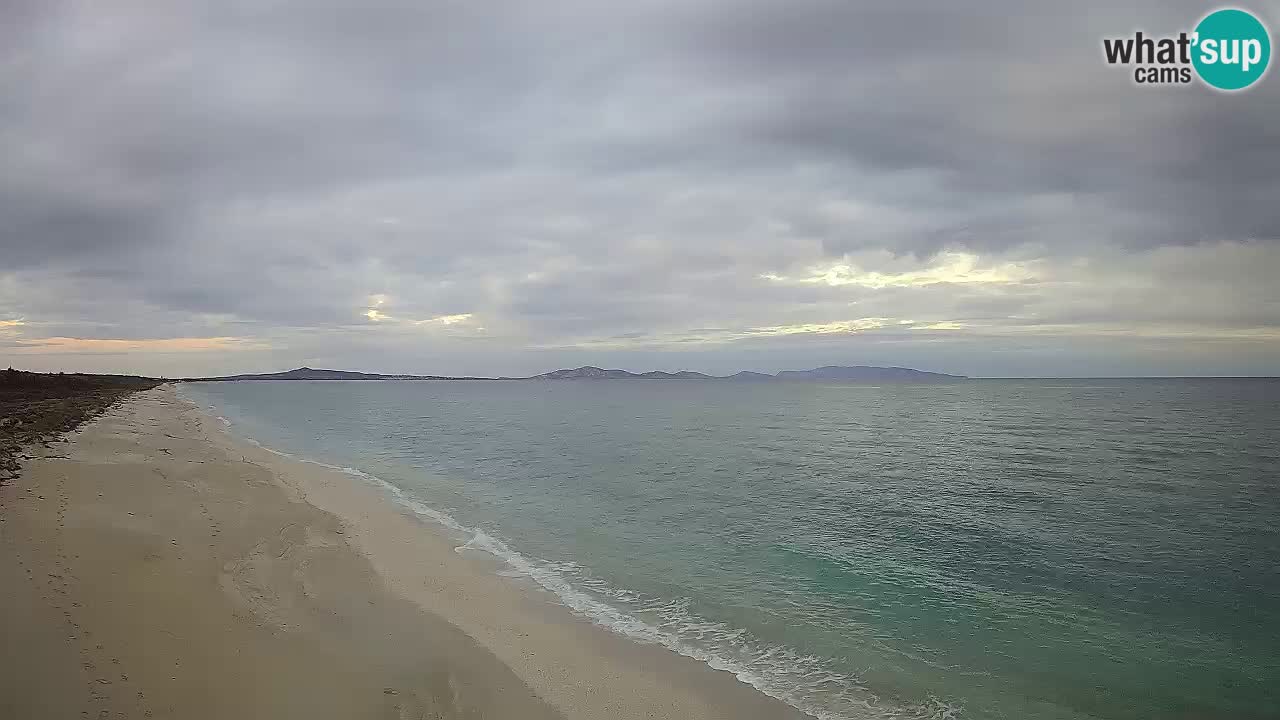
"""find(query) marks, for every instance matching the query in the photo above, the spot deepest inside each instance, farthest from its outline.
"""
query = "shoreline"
(525, 625)
(291, 560)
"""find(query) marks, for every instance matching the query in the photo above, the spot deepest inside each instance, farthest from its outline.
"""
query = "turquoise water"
(992, 549)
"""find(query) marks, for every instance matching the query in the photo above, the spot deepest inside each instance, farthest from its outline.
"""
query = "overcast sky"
(510, 187)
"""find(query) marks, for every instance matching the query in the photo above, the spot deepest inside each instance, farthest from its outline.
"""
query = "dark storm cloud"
(329, 179)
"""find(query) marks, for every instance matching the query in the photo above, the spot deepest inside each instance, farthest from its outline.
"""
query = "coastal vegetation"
(38, 407)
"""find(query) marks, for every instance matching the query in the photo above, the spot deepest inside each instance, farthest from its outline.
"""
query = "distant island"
(306, 373)
(857, 373)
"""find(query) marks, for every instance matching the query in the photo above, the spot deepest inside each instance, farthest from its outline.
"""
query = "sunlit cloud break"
(446, 319)
(951, 268)
(729, 335)
(375, 314)
(841, 327)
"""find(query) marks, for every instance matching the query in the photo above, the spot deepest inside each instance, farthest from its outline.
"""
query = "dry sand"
(155, 566)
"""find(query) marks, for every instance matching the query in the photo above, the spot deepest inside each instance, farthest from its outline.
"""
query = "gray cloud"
(616, 184)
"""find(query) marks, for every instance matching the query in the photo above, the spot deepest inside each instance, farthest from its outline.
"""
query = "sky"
(476, 187)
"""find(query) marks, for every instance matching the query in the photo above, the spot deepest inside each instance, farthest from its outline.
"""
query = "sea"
(1056, 549)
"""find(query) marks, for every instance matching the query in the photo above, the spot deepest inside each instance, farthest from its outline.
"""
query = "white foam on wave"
(803, 681)
(800, 680)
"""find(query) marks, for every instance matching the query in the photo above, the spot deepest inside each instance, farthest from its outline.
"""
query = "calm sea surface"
(992, 549)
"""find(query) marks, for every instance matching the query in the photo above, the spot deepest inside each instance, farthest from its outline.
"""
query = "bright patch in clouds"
(951, 267)
(729, 335)
(376, 313)
(841, 327)
(944, 325)
(447, 319)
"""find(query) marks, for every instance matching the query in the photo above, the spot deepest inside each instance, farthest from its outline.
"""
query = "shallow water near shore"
(992, 549)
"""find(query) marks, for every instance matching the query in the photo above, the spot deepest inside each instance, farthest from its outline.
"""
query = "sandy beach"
(155, 566)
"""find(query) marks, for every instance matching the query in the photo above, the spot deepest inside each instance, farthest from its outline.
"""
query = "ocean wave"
(803, 681)
(798, 680)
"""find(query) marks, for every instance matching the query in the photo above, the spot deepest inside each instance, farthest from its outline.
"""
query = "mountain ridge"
(306, 373)
(591, 372)
(826, 372)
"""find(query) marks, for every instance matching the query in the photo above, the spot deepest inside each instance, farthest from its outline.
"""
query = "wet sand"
(155, 566)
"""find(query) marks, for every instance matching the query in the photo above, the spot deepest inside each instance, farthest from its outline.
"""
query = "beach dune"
(155, 566)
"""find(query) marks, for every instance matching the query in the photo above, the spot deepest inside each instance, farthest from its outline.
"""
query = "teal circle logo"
(1232, 49)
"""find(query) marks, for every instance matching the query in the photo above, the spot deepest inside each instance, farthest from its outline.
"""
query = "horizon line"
(441, 377)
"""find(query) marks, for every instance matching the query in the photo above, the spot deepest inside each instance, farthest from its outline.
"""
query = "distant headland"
(857, 373)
